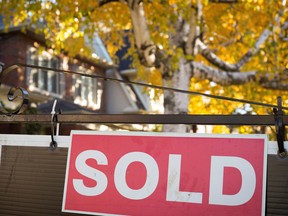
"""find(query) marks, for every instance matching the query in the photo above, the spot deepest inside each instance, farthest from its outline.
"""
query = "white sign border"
(195, 135)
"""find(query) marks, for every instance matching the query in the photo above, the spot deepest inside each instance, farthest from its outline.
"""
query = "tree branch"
(103, 2)
(252, 51)
(225, 78)
(149, 54)
(275, 85)
(145, 46)
(221, 77)
(215, 60)
(279, 82)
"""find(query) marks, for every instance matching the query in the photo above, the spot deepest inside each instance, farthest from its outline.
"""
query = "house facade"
(19, 47)
(74, 93)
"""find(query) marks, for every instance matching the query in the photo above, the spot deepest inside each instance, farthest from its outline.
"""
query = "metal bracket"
(280, 128)
(13, 93)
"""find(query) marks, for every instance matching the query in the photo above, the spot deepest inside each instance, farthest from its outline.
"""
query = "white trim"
(273, 147)
(33, 140)
(169, 134)
(64, 141)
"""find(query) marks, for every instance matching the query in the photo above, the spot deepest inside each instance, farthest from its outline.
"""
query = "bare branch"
(252, 51)
(221, 77)
(279, 82)
(276, 85)
(214, 59)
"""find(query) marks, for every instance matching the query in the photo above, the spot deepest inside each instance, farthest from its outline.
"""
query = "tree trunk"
(176, 102)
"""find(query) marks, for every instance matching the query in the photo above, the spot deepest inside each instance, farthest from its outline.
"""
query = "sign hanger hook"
(53, 143)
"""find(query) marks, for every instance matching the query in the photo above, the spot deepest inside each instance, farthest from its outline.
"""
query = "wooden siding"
(32, 181)
(277, 186)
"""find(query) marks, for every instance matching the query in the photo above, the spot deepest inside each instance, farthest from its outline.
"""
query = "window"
(87, 90)
(44, 80)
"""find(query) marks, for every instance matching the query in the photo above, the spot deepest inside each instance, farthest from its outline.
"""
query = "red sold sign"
(156, 174)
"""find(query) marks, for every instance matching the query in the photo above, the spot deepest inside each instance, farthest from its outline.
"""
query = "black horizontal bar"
(146, 119)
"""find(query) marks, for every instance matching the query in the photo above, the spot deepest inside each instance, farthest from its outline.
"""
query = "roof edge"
(40, 37)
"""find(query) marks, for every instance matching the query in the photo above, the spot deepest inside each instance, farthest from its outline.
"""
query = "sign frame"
(168, 135)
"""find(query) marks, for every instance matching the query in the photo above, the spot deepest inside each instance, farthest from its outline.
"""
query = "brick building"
(74, 93)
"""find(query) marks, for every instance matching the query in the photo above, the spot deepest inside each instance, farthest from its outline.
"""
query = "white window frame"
(47, 82)
(87, 90)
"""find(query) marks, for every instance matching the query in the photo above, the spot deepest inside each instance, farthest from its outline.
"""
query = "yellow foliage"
(230, 30)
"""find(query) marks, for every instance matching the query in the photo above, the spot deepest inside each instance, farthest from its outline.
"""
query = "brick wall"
(13, 50)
